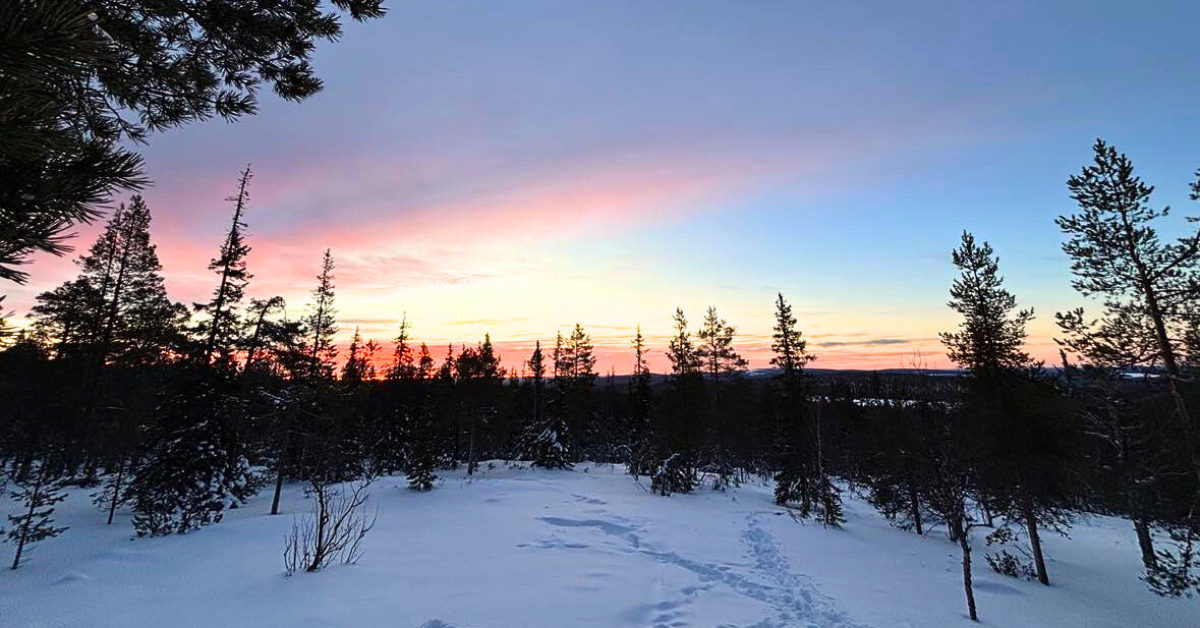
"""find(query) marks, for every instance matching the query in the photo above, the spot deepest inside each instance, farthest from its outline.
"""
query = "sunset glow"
(498, 174)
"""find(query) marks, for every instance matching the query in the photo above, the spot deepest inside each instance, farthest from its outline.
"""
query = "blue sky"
(516, 167)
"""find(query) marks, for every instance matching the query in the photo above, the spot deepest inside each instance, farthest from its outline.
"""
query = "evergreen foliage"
(34, 522)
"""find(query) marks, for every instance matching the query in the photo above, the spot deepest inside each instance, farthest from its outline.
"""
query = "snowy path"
(793, 599)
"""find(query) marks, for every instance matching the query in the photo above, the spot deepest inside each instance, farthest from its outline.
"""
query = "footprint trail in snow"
(793, 598)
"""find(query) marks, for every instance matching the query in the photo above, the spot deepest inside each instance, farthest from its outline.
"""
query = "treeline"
(181, 412)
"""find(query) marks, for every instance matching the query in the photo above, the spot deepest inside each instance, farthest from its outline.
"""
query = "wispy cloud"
(864, 343)
(490, 321)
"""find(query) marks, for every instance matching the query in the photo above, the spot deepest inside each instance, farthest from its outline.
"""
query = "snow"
(536, 548)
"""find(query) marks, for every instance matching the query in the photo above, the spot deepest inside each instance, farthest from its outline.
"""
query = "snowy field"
(522, 548)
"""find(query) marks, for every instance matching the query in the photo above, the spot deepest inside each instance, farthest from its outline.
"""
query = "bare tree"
(335, 529)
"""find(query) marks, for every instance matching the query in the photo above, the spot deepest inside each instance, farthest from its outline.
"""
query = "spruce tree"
(322, 322)
(424, 364)
(195, 463)
(354, 371)
(676, 470)
(544, 441)
(578, 393)
(402, 366)
(219, 333)
(421, 458)
(802, 477)
(195, 466)
(34, 521)
(641, 437)
(478, 381)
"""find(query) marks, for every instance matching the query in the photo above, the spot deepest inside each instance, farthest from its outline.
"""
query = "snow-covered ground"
(523, 548)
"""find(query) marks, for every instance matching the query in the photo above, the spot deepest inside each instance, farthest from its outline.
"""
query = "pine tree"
(78, 80)
(58, 139)
(1023, 468)
(219, 334)
(1116, 254)
(1149, 289)
(114, 491)
(990, 338)
(115, 316)
(35, 521)
(723, 365)
(261, 330)
(116, 311)
(66, 318)
(716, 350)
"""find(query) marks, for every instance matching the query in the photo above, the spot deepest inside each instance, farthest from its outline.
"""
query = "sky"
(514, 168)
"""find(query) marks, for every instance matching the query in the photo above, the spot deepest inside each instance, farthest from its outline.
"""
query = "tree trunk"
(471, 449)
(116, 496)
(964, 542)
(283, 452)
(1167, 352)
(278, 489)
(24, 535)
(914, 501)
(1035, 542)
(319, 547)
(1145, 543)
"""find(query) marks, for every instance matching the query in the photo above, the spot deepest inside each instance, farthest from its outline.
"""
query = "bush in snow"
(1176, 571)
(545, 445)
(194, 469)
(813, 494)
(673, 475)
(333, 532)
(422, 456)
(114, 491)
(1004, 563)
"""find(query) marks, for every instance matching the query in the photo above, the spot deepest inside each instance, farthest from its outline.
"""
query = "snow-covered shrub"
(1004, 563)
(194, 468)
(673, 475)
(545, 445)
(1176, 572)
